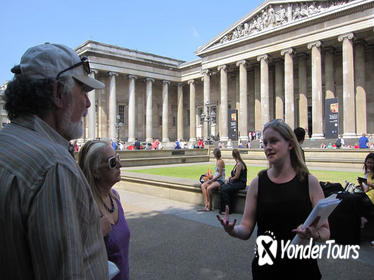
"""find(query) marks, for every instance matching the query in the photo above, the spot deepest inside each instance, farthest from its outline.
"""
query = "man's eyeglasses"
(84, 62)
(112, 161)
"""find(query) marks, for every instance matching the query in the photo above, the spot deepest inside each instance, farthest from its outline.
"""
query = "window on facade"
(188, 118)
(121, 113)
(201, 120)
(174, 121)
(214, 109)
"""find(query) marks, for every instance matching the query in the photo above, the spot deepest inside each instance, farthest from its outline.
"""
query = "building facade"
(283, 60)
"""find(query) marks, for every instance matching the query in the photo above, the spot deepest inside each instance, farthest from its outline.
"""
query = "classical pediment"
(274, 15)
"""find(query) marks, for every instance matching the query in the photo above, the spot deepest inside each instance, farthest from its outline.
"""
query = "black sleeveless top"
(243, 174)
(280, 209)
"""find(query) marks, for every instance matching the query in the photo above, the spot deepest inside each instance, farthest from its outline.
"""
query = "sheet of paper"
(323, 209)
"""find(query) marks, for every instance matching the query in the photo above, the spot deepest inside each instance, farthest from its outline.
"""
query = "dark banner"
(332, 118)
(233, 125)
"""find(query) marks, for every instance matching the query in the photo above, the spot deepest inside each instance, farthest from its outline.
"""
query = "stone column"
(289, 98)
(303, 99)
(112, 112)
(91, 113)
(265, 113)
(165, 111)
(192, 111)
(329, 73)
(360, 62)
(132, 108)
(149, 111)
(206, 79)
(317, 120)
(243, 107)
(180, 112)
(257, 99)
(349, 125)
(279, 90)
(224, 134)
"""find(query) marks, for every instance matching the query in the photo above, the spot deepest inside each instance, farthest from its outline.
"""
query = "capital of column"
(348, 36)
(205, 72)
(289, 51)
(264, 57)
(222, 67)
(133, 77)
(111, 74)
(180, 84)
(164, 82)
(241, 62)
(191, 82)
(316, 44)
(146, 79)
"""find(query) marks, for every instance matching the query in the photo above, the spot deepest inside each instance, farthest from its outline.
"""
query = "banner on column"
(332, 118)
(233, 124)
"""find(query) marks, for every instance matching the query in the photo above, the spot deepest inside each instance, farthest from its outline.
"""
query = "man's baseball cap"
(47, 61)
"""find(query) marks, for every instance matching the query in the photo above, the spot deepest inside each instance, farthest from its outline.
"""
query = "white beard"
(69, 129)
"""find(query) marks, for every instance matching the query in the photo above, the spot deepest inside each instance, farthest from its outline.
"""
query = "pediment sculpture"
(274, 15)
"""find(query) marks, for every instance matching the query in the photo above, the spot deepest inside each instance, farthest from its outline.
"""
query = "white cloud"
(195, 33)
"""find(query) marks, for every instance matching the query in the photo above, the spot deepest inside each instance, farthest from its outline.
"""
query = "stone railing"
(326, 158)
(159, 157)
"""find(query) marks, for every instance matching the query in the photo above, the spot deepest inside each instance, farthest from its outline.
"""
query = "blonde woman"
(217, 180)
(101, 166)
(279, 200)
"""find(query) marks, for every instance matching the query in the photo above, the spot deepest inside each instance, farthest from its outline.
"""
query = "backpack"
(330, 188)
(205, 177)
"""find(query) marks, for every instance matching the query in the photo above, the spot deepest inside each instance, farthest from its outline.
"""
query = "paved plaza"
(171, 240)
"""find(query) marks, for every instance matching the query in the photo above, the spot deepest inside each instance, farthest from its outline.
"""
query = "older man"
(50, 224)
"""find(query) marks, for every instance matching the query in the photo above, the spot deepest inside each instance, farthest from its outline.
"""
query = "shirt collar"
(35, 123)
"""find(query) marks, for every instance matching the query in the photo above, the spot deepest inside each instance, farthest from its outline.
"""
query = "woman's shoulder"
(116, 194)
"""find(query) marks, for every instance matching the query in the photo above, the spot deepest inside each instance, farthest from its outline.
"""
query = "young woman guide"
(279, 200)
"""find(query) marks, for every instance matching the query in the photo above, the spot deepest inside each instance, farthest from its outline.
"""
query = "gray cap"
(47, 60)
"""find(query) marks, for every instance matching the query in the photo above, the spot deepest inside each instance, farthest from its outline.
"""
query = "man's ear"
(57, 94)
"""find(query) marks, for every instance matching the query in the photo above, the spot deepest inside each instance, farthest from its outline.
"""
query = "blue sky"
(169, 28)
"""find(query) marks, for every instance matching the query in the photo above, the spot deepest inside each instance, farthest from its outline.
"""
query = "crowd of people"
(63, 220)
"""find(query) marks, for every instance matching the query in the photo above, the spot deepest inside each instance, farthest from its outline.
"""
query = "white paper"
(323, 209)
(113, 270)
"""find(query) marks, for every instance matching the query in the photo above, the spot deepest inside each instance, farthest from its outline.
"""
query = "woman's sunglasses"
(112, 161)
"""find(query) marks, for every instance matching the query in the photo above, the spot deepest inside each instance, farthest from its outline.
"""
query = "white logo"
(266, 249)
(267, 245)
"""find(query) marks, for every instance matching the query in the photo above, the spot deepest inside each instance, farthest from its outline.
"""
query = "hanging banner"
(332, 118)
(233, 124)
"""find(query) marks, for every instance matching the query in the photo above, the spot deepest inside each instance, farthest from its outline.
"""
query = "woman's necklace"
(111, 203)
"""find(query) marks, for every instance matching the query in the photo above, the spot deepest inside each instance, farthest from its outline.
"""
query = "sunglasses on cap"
(84, 62)
(112, 161)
